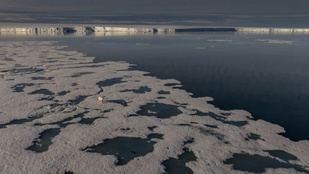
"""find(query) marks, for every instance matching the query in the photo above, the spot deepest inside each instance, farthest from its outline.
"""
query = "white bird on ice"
(100, 99)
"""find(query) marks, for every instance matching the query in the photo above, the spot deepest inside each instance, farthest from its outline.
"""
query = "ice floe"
(51, 121)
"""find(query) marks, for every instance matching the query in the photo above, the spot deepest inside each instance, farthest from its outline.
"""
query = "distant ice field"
(53, 118)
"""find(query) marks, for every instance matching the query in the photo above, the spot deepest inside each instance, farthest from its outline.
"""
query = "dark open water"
(239, 71)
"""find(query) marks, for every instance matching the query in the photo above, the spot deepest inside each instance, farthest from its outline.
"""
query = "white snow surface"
(30, 66)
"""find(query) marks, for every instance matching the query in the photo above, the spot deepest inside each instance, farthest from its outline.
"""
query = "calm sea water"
(240, 71)
(255, 72)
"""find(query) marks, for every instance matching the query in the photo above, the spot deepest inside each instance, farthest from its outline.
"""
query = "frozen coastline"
(52, 121)
(104, 30)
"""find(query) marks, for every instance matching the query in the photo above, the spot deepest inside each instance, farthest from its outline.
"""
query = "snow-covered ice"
(52, 122)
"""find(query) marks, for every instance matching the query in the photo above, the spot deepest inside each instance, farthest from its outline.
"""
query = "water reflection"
(263, 74)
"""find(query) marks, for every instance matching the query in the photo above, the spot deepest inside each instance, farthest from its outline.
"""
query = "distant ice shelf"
(80, 31)
(109, 31)
(274, 30)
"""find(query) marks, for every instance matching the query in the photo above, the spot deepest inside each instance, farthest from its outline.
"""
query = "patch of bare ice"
(220, 40)
(272, 41)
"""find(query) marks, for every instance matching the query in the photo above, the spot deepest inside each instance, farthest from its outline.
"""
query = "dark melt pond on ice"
(159, 110)
(259, 164)
(125, 148)
(254, 72)
(178, 165)
(42, 143)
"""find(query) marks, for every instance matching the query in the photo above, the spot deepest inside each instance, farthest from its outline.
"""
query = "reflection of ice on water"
(152, 112)
(272, 41)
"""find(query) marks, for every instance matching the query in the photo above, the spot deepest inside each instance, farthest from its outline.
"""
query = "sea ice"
(51, 121)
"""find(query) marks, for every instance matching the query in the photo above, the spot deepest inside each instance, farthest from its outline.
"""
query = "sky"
(165, 6)
(236, 12)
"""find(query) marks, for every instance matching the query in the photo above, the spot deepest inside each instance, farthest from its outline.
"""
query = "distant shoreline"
(79, 29)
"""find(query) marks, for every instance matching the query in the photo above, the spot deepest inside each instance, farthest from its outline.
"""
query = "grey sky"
(161, 6)
(247, 13)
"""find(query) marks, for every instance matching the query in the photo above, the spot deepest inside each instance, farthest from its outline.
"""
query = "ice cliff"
(274, 30)
(104, 31)
(78, 30)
